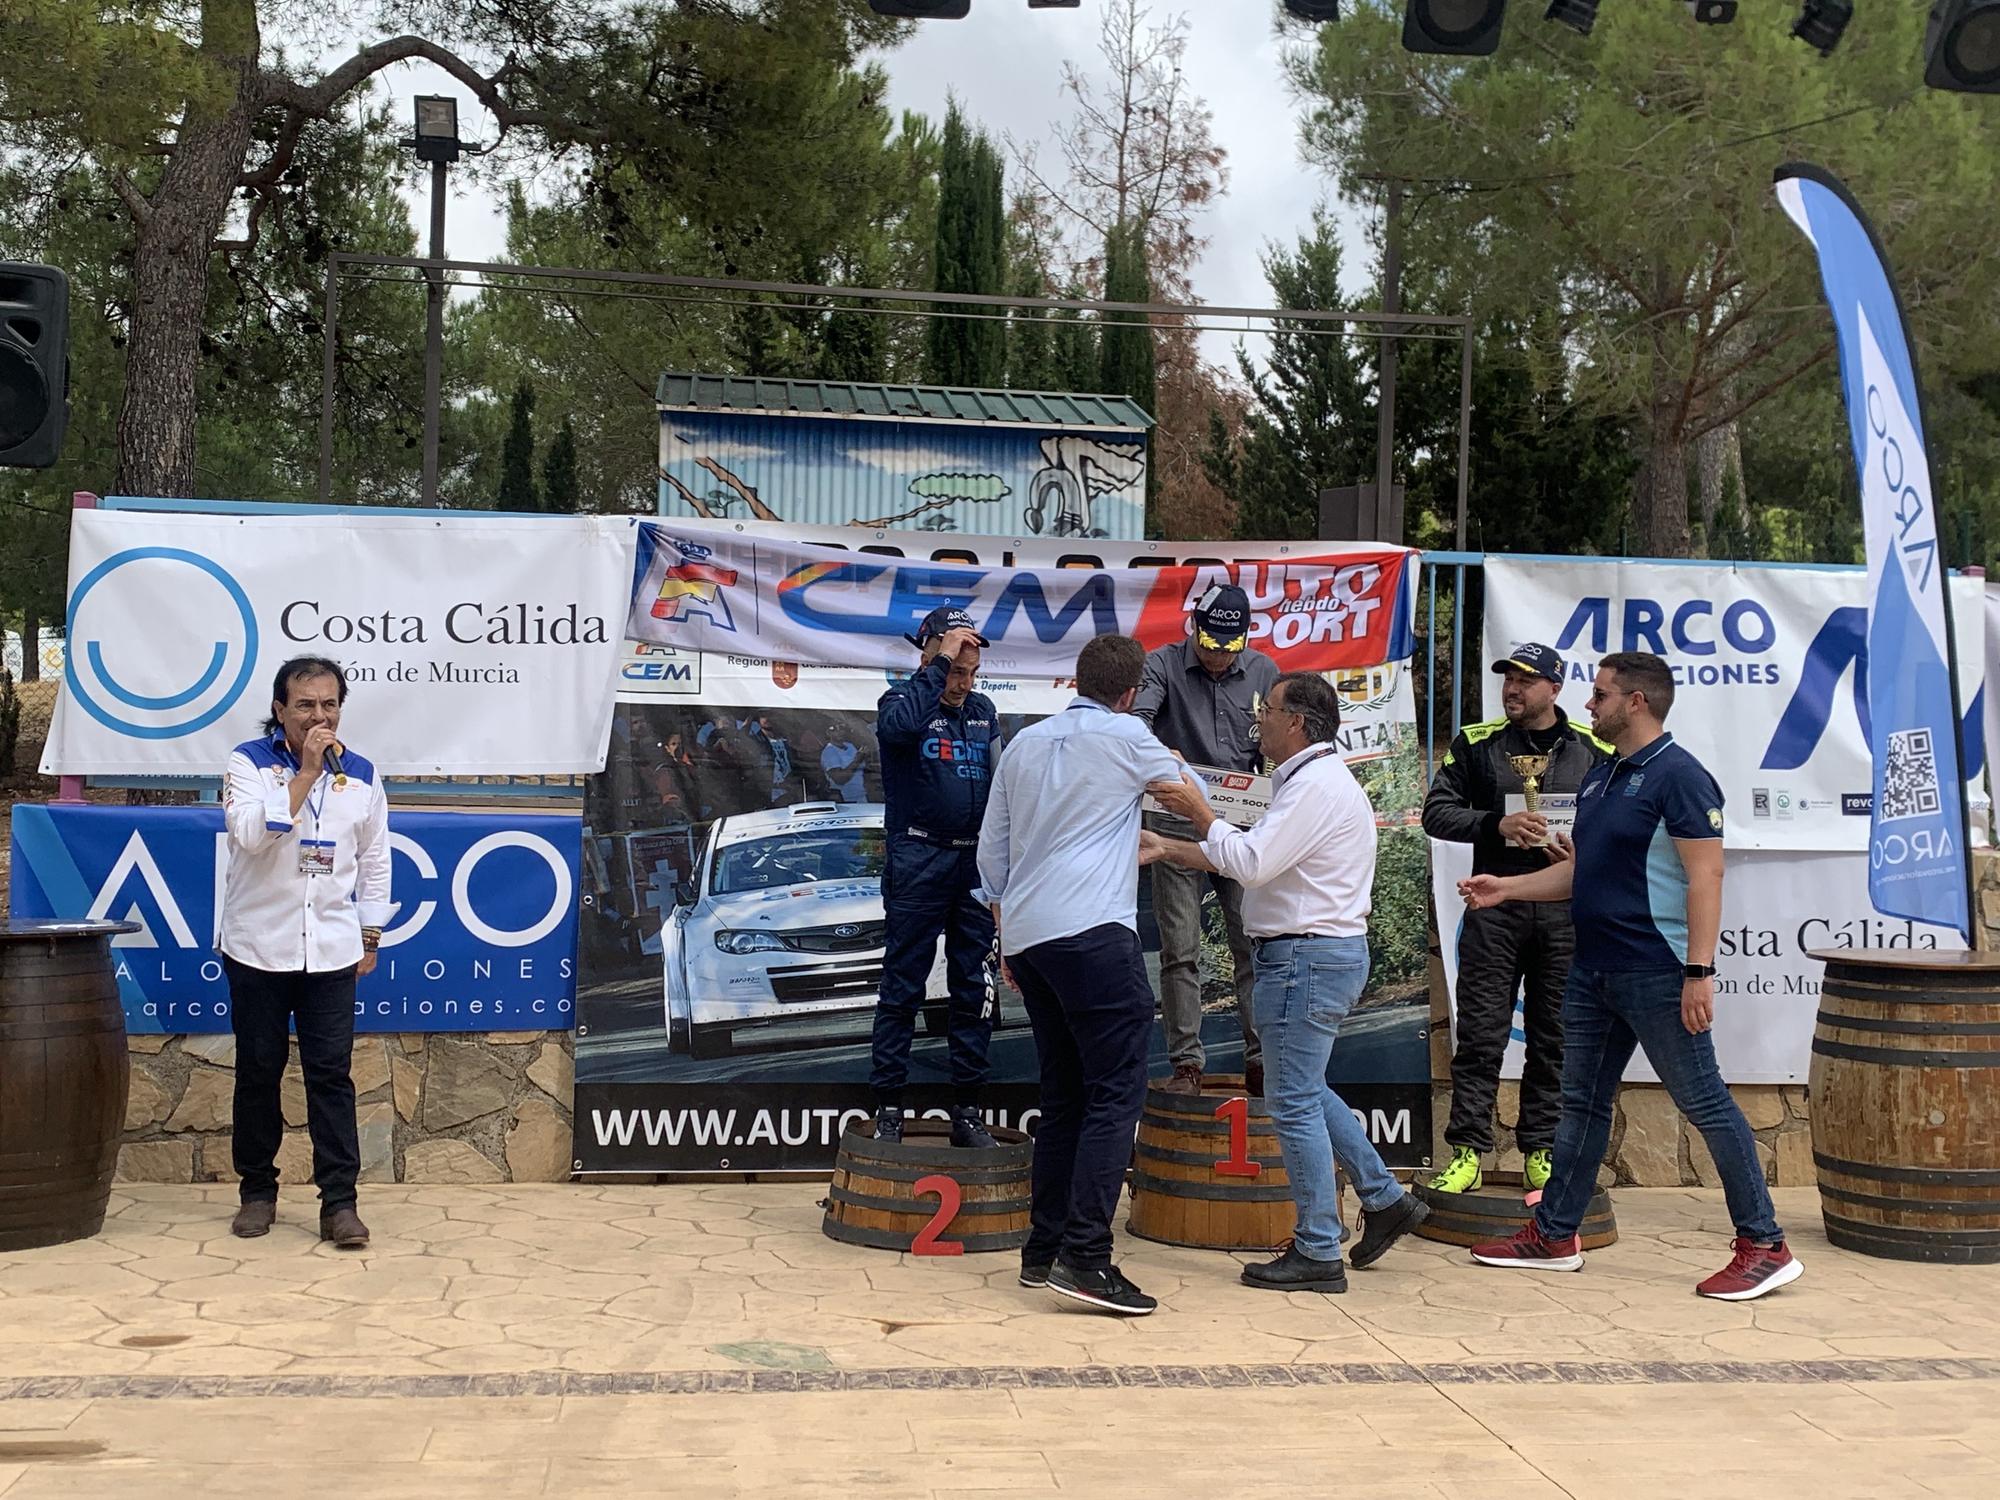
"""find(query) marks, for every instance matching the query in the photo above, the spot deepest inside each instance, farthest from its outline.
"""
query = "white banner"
(478, 644)
(1768, 671)
(1325, 606)
(1776, 909)
(1991, 727)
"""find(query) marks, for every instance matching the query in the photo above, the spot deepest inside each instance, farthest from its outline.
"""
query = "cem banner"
(725, 589)
(742, 794)
(472, 645)
(484, 937)
(1919, 865)
(1770, 668)
(1777, 906)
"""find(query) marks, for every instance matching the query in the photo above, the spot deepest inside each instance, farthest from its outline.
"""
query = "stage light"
(1713, 12)
(1962, 48)
(1578, 15)
(923, 10)
(1314, 10)
(1456, 28)
(1821, 23)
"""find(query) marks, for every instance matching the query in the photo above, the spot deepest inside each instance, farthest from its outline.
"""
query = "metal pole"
(434, 336)
(1464, 428)
(327, 326)
(1385, 406)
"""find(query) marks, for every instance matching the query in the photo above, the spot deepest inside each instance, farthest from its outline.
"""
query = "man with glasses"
(1200, 696)
(1644, 881)
(1478, 797)
(1307, 870)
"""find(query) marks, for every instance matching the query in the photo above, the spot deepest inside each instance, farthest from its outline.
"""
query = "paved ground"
(708, 1340)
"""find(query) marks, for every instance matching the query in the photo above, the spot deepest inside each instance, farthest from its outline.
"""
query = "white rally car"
(779, 937)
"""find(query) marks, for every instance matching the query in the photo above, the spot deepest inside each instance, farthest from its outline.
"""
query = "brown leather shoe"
(344, 1227)
(1186, 1080)
(1253, 1079)
(254, 1219)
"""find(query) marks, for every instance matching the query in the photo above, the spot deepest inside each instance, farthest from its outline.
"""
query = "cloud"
(907, 458)
(684, 447)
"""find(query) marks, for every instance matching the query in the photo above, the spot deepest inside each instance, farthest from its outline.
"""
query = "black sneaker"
(968, 1131)
(1295, 1271)
(1382, 1227)
(1036, 1273)
(1104, 1288)
(889, 1124)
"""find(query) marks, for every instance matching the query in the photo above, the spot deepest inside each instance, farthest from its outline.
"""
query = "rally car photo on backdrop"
(778, 938)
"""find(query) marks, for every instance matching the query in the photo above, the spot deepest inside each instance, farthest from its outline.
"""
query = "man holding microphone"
(304, 901)
(1307, 870)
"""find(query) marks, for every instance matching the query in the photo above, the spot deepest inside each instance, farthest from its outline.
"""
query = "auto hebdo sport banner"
(1770, 671)
(1919, 866)
(724, 589)
(483, 939)
(1777, 906)
(475, 644)
(731, 939)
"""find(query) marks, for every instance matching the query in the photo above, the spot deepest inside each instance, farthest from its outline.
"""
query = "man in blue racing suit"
(939, 741)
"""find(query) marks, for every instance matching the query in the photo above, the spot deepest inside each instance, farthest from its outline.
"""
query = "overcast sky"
(1004, 63)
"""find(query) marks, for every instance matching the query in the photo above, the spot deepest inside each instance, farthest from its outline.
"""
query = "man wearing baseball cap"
(939, 740)
(1479, 798)
(1200, 695)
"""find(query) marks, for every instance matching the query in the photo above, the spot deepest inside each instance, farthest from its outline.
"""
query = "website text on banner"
(475, 644)
(1918, 863)
(1770, 666)
(484, 937)
(723, 590)
(1777, 906)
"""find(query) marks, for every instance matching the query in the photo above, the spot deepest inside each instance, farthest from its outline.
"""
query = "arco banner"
(728, 589)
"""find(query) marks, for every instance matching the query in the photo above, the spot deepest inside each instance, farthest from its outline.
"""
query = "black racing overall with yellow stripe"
(1520, 948)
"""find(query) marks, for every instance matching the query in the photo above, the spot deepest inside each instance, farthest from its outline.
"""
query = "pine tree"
(559, 480)
(517, 455)
(971, 230)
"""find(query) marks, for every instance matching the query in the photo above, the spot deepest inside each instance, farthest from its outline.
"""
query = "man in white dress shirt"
(304, 901)
(1307, 869)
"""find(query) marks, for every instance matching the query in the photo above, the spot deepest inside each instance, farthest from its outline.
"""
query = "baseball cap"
(1536, 660)
(945, 617)
(1222, 619)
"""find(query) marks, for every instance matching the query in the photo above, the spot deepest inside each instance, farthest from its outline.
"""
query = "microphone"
(331, 758)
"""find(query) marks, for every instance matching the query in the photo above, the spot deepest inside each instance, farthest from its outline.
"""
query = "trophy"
(1530, 768)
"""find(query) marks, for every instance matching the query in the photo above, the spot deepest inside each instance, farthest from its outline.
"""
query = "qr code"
(1910, 779)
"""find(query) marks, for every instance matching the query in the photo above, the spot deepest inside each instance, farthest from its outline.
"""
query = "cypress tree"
(559, 485)
(971, 231)
(517, 455)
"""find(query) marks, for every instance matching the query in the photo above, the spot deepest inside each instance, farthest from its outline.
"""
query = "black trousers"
(1520, 948)
(263, 1008)
(1092, 1011)
(928, 892)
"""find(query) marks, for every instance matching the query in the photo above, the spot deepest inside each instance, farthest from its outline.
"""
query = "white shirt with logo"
(275, 915)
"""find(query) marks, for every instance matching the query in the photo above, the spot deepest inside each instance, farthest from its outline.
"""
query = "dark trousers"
(263, 1008)
(928, 892)
(1092, 1011)
(1520, 948)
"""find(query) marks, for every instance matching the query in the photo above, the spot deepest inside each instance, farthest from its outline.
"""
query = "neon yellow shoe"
(1537, 1168)
(1461, 1173)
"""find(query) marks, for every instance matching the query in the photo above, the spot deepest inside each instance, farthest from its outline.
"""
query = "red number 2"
(1237, 1112)
(949, 1195)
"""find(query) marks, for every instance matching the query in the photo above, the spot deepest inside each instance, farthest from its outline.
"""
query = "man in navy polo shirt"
(1644, 882)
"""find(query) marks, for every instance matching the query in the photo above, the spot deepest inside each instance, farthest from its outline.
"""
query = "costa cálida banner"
(724, 589)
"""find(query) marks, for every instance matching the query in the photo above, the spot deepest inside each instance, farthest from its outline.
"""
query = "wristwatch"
(1698, 971)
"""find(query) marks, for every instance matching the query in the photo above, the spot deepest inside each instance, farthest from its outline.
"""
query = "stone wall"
(442, 1107)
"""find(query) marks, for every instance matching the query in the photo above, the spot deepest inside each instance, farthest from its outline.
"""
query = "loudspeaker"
(34, 365)
(1456, 28)
(1350, 513)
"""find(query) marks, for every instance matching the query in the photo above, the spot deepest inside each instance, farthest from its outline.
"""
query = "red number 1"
(1237, 1112)
(949, 1195)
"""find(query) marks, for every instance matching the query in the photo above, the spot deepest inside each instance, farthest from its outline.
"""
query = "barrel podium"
(63, 1079)
(927, 1196)
(1905, 1096)
(1207, 1173)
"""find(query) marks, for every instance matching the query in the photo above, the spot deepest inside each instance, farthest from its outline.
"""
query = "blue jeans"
(1304, 989)
(1604, 1017)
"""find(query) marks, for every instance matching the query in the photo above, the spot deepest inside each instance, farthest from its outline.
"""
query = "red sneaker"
(1528, 1251)
(1756, 1269)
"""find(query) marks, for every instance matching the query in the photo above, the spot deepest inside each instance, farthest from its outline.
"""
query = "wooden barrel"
(1906, 1104)
(888, 1196)
(63, 1079)
(1192, 1182)
(1498, 1209)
